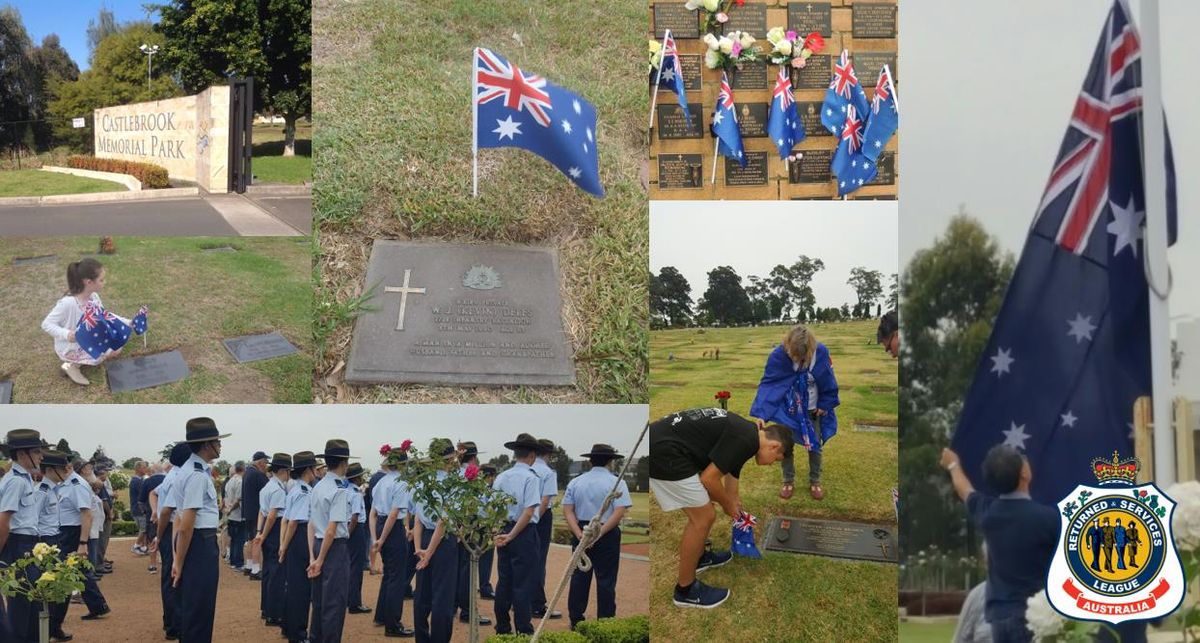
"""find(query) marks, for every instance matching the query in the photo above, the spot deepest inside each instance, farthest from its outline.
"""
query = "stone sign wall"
(189, 136)
(681, 158)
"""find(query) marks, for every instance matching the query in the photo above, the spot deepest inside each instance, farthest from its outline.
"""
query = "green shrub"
(152, 176)
(632, 629)
(124, 528)
(548, 637)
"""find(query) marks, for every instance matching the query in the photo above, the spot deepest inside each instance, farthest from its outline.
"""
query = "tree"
(725, 302)
(19, 82)
(165, 452)
(102, 27)
(845, 312)
(867, 286)
(501, 462)
(130, 463)
(643, 473)
(802, 273)
(286, 88)
(99, 457)
(893, 299)
(952, 293)
(561, 463)
(762, 300)
(670, 297)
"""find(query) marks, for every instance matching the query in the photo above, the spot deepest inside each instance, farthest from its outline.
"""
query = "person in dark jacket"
(253, 483)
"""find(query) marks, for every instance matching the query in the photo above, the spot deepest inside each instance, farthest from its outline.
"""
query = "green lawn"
(196, 298)
(39, 183)
(926, 632)
(392, 105)
(810, 597)
(639, 512)
(269, 166)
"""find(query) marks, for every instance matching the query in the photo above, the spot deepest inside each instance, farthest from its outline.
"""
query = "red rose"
(472, 472)
(722, 395)
(406, 445)
(740, 3)
(814, 42)
(383, 450)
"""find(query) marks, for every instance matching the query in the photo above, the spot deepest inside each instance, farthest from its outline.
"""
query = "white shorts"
(679, 494)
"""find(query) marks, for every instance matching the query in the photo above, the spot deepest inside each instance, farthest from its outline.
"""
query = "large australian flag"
(783, 124)
(725, 125)
(1070, 348)
(100, 331)
(515, 108)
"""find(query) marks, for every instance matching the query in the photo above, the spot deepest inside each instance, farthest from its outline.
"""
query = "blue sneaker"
(711, 559)
(701, 595)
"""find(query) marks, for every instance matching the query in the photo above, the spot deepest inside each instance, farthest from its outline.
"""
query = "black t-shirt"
(685, 443)
(1021, 536)
(252, 482)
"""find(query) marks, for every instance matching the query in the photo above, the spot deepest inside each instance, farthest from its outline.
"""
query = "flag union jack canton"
(100, 331)
(1070, 348)
(670, 74)
(516, 108)
(725, 125)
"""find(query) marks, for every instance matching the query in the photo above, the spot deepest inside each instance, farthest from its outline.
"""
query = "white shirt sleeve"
(55, 322)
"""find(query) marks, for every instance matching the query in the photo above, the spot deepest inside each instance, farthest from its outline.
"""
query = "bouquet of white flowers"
(716, 12)
(788, 48)
(730, 50)
(1048, 626)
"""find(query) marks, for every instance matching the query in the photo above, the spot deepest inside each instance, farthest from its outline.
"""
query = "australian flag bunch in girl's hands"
(100, 331)
(743, 536)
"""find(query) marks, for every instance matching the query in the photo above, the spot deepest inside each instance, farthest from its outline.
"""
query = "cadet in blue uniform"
(581, 505)
(468, 454)
(75, 518)
(437, 559)
(19, 525)
(545, 524)
(54, 465)
(294, 554)
(197, 559)
(271, 501)
(359, 542)
(488, 557)
(329, 519)
(162, 505)
(517, 547)
(391, 508)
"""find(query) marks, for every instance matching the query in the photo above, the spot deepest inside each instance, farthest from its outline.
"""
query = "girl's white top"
(61, 322)
(97, 515)
(812, 382)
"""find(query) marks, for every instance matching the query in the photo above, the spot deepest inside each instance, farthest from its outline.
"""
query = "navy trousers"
(436, 584)
(237, 543)
(395, 552)
(198, 587)
(166, 549)
(486, 559)
(56, 617)
(359, 542)
(69, 537)
(518, 573)
(22, 615)
(605, 555)
(545, 530)
(329, 593)
(272, 576)
(298, 589)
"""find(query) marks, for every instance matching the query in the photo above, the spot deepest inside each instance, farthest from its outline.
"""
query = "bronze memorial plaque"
(813, 167)
(673, 124)
(807, 17)
(755, 172)
(815, 75)
(873, 20)
(751, 18)
(832, 538)
(680, 171)
(867, 66)
(752, 119)
(751, 76)
(885, 170)
(810, 115)
(683, 22)
(692, 71)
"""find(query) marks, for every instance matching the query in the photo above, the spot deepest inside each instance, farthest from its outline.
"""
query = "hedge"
(124, 528)
(634, 629)
(548, 637)
(152, 176)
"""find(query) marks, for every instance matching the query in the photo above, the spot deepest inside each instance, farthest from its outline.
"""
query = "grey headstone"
(868, 427)
(251, 348)
(6, 389)
(832, 538)
(461, 314)
(133, 373)
(26, 261)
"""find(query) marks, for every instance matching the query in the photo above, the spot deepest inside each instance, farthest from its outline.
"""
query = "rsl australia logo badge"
(1116, 560)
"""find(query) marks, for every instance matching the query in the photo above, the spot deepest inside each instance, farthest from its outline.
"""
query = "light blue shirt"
(400, 497)
(297, 502)
(330, 503)
(16, 497)
(549, 482)
(47, 503)
(74, 496)
(523, 486)
(358, 505)
(272, 496)
(194, 489)
(588, 491)
(423, 512)
(381, 497)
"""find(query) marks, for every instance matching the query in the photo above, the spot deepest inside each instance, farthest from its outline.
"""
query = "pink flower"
(722, 17)
(406, 445)
(791, 35)
(472, 472)
(737, 49)
(383, 450)
(798, 63)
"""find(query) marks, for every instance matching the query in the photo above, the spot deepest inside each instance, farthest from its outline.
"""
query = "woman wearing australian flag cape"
(798, 390)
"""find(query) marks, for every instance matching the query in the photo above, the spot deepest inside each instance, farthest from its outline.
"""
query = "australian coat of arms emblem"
(1116, 560)
(482, 278)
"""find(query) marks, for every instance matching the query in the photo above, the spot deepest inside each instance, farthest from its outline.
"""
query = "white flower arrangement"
(730, 50)
(1048, 625)
(789, 48)
(1185, 523)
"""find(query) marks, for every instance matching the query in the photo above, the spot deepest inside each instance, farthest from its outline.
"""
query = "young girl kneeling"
(85, 280)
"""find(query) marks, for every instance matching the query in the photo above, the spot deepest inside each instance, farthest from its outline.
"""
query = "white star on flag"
(566, 126)
(828, 112)
(574, 172)
(1081, 327)
(668, 74)
(578, 109)
(779, 142)
(589, 134)
(1001, 361)
(1126, 226)
(585, 148)
(507, 127)
(1068, 419)
(878, 144)
(717, 118)
(1016, 436)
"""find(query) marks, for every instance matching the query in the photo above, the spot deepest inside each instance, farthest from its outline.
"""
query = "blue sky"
(69, 19)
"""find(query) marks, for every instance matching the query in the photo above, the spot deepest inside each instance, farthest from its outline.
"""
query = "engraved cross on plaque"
(404, 291)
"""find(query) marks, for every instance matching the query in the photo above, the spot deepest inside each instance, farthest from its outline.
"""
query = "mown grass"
(926, 632)
(196, 299)
(788, 596)
(393, 139)
(39, 183)
(639, 512)
(269, 166)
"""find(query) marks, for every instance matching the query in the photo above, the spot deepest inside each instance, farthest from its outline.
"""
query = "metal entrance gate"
(241, 126)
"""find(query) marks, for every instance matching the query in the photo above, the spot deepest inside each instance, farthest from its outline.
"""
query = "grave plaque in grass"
(251, 348)
(6, 389)
(461, 314)
(146, 371)
(29, 261)
(832, 538)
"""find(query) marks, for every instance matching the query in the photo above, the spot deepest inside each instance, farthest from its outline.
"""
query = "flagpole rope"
(591, 533)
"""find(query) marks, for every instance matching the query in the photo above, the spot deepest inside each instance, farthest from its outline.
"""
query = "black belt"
(22, 538)
(204, 531)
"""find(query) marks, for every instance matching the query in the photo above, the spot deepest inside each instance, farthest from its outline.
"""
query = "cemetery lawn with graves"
(38, 183)
(808, 597)
(198, 292)
(270, 166)
(392, 100)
